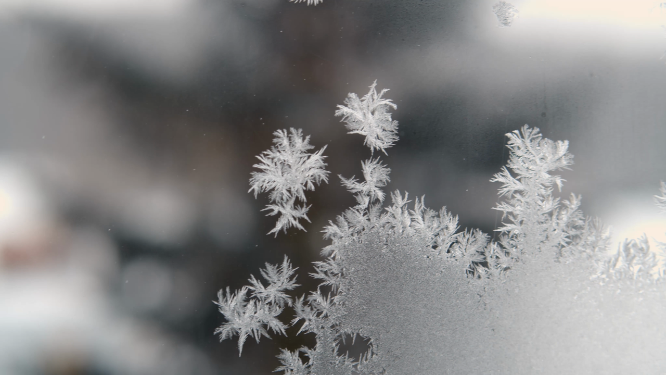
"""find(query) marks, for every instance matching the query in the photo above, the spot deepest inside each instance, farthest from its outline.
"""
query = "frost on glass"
(661, 198)
(253, 315)
(287, 171)
(370, 116)
(548, 296)
(505, 13)
(309, 2)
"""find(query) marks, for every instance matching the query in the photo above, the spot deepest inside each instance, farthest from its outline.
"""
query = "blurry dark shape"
(66, 356)
(91, 252)
(158, 215)
(230, 219)
(505, 13)
(147, 285)
(14, 45)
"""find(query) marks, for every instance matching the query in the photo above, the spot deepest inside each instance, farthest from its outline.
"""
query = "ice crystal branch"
(279, 280)
(633, 263)
(288, 169)
(661, 198)
(376, 176)
(427, 297)
(309, 2)
(369, 117)
(534, 218)
(253, 316)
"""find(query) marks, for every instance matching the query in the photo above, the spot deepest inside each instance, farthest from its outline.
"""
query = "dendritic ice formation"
(547, 297)
(505, 13)
(287, 171)
(309, 2)
(370, 116)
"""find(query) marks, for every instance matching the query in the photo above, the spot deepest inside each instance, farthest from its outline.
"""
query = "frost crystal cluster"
(369, 116)
(287, 171)
(309, 2)
(428, 298)
(251, 317)
(505, 13)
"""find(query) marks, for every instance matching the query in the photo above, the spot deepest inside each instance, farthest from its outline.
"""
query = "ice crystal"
(309, 2)
(535, 221)
(633, 262)
(370, 117)
(254, 315)
(428, 298)
(376, 176)
(287, 171)
(661, 198)
(505, 13)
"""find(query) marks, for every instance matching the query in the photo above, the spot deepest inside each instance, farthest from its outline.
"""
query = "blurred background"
(128, 131)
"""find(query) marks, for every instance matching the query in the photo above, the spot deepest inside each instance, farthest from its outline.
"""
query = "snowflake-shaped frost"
(376, 176)
(505, 13)
(254, 316)
(287, 171)
(369, 116)
(309, 2)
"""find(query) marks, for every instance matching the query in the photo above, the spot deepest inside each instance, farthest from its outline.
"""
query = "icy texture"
(252, 317)
(505, 13)
(369, 116)
(533, 220)
(661, 198)
(287, 171)
(547, 297)
(309, 2)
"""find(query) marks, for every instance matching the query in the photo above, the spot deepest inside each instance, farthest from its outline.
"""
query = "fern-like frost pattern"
(369, 116)
(252, 315)
(429, 298)
(308, 2)
(287, 171)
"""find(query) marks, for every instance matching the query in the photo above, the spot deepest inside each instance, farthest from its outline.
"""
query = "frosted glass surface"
(463, 187)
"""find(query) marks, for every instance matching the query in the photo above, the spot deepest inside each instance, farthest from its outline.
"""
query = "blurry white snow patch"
(24, 212)
(505, 13)
(157, 215)
(152, 287)
(55, 317)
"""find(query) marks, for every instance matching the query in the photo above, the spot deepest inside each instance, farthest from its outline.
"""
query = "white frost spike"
(287, 171)
(246, 318)
(661, 198)
(309, 2)
(369, 116)
(253, 316)
(376, 176)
